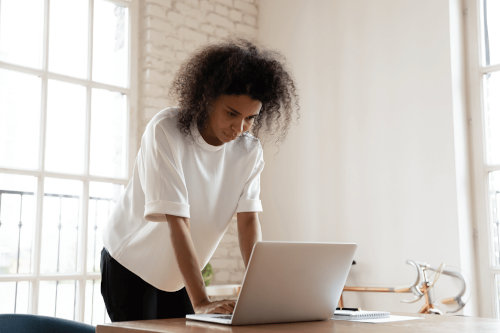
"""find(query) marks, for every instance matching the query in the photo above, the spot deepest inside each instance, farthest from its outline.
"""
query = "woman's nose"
(239, 126)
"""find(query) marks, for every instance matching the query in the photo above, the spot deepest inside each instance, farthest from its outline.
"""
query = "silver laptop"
(289, 282)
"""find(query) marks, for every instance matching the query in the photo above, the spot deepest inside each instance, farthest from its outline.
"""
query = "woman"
(197, 166)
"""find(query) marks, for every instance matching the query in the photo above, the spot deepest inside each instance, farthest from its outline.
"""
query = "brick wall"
(226, 262)
(169, 30)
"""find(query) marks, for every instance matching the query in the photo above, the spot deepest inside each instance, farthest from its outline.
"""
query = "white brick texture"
(170, 30)
(227, 262)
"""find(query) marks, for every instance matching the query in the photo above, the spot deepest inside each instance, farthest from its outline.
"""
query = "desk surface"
(430, 323)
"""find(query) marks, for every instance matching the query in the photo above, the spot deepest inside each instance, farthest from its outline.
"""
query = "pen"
(348, 309)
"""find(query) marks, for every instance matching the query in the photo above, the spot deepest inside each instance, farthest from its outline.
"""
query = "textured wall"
(169, 31)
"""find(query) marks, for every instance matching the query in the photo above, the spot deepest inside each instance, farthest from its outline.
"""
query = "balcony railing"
(58, 274)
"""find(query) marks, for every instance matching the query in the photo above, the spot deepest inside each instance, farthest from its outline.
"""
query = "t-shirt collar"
(201, 142)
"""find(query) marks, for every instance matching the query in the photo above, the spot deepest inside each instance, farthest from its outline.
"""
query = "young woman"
(198, 165)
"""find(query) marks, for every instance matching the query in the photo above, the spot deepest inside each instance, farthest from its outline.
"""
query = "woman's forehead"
(243, 104)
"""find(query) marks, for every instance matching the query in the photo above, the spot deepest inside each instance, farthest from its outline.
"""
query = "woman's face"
(228, 117)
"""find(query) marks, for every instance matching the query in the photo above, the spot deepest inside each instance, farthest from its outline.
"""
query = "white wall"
(374, 157)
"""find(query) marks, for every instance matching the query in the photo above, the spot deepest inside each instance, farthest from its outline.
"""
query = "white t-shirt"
(183, 176)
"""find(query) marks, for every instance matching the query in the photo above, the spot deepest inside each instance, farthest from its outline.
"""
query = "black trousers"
(128, 297)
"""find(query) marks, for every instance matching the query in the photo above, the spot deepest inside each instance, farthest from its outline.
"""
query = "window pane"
(110, 62)
(61, 217)
(492, 32)
(108, 145)
(65, 127)
(497, 285)
(17, 223)
(21, 32)
(68, 37)
(7, 290)
(23, 297)
(102, 199)
(492, 117)
(95, 311)
(57, 298)
(15, 297)
(494, 186)
(19, 120)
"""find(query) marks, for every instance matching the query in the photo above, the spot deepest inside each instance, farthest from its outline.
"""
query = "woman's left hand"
(219, 307)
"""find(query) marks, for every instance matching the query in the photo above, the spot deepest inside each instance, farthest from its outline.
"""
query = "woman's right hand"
(219, 307)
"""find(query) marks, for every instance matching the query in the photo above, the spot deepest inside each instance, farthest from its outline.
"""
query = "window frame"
(81, 276)
(489, 302)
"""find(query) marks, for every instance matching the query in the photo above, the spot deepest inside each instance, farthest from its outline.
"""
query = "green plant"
(208, 274)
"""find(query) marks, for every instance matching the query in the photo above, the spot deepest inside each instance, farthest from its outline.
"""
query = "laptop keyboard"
(222, 316)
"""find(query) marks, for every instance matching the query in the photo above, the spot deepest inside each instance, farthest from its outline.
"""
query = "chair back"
(27, 323)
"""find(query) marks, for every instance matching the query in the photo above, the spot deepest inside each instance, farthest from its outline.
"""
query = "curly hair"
(236, 68)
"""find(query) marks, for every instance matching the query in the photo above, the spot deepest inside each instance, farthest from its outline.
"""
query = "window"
(484, 77)
(65, 106)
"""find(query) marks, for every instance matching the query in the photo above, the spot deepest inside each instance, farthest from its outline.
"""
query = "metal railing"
(12, 256)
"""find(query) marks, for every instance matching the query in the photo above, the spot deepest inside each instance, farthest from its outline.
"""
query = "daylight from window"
(64, 123)
(490, 69)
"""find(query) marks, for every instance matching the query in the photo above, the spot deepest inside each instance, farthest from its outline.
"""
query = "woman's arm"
(182, 243)
(249, 232)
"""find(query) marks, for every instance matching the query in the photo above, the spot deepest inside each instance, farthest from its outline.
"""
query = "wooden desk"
(430, 323)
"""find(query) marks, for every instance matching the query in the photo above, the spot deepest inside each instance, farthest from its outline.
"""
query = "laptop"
(289, 282)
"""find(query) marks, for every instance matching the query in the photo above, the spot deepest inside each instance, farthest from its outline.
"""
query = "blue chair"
(26, 323)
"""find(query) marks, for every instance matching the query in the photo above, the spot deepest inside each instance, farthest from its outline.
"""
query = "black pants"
(128, 297)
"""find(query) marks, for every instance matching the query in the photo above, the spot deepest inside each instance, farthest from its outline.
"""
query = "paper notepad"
(360, 314)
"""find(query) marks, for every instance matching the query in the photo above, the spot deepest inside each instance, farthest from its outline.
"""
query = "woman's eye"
(231, 114)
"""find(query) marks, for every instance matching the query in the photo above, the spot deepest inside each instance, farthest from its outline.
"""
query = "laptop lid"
(291, 281)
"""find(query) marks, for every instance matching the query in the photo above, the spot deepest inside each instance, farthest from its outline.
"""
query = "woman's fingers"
(218, 307)
(223, 307)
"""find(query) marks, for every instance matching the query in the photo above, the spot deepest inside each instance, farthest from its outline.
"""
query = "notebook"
(289, 282)
(360, 314)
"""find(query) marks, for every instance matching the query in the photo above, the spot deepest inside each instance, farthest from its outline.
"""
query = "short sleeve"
(250, 197)
(160, 173)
